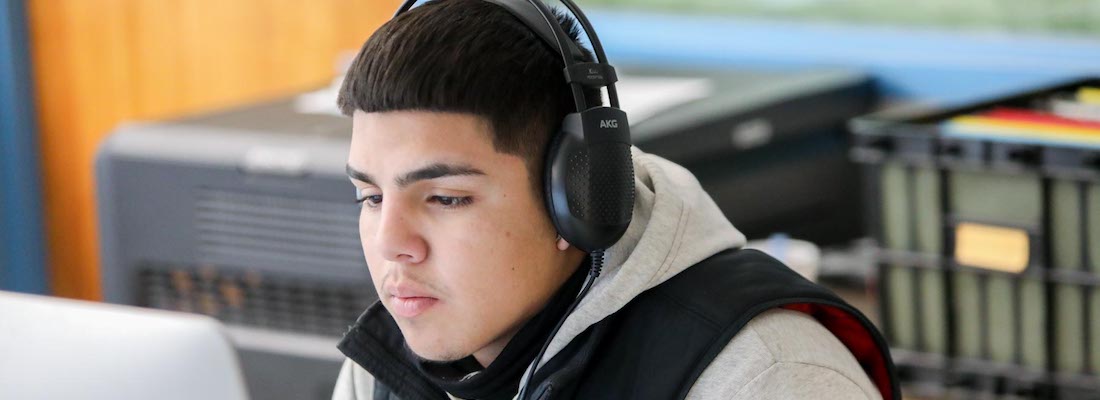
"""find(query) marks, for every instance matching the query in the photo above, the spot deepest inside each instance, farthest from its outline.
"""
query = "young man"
(453, 106)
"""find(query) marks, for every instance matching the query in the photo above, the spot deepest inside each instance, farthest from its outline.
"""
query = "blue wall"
(22, 254)
(907, 64)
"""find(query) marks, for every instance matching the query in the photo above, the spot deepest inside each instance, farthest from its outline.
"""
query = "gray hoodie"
(780, 354)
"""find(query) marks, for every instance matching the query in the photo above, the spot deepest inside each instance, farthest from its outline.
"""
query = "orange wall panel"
(98, 63)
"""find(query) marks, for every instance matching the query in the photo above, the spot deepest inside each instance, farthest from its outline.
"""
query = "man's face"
(460, 250)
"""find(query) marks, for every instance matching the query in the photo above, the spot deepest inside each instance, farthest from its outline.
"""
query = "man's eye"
(452, 202)
(371, 201)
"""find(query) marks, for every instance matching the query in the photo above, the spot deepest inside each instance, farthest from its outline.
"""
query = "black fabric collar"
(500, 380)
(376, 344)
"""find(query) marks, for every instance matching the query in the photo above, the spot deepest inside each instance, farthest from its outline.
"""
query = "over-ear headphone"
(589, 174)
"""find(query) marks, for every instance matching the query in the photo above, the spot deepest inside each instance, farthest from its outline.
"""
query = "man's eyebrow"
(437, 170)
(359, 176)
(433, 171)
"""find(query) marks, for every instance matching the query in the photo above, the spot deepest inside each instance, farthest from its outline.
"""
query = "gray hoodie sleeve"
(783, 354)
(354, 383)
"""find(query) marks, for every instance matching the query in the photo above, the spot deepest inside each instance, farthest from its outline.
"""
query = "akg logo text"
(609, 123)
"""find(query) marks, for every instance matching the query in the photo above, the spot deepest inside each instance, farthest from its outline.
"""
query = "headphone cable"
(593, 273)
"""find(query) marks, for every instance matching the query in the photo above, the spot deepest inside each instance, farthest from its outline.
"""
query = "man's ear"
(562, 244)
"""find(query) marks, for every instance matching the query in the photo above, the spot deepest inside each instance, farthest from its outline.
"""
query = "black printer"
(769, 147)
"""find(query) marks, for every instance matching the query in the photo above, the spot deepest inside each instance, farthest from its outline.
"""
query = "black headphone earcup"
(555, 190)
(589, 188)
(552, 150)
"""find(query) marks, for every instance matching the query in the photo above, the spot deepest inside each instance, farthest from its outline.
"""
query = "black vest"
(658, 344)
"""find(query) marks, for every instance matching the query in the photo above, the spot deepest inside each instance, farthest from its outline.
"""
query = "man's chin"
(436, 352)
(440, 356)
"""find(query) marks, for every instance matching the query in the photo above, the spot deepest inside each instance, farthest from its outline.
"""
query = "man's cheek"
(376, 277)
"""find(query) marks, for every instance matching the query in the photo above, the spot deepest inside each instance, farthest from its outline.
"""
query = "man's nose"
(397, 236)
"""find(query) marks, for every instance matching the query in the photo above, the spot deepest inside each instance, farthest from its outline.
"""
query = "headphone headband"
(541, 20)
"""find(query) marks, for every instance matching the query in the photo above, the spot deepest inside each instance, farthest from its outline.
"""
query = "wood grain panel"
(101, 62)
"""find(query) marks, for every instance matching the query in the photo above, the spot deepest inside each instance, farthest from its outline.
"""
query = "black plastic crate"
(989, 245)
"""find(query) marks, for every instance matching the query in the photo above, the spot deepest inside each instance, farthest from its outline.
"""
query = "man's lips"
(409, 307)
(409, 301)
(406, 290)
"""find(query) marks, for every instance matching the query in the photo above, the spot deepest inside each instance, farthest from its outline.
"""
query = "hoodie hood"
(675, 224)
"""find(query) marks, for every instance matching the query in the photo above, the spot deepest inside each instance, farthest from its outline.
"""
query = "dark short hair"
(468, 56)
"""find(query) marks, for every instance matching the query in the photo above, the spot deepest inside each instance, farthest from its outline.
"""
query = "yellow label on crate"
(1090, 95)
(991, 247)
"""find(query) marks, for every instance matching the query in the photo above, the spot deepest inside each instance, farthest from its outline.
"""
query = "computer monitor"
(52, 348)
